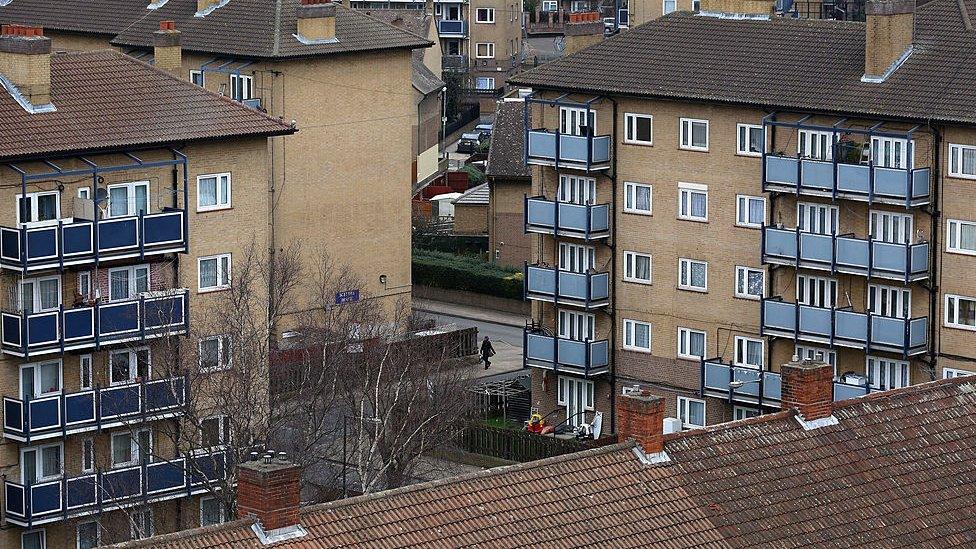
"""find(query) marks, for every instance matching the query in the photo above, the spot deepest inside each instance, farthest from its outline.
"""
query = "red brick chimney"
(640, 416)
(25, 60)
(808, 386)
(268, 489)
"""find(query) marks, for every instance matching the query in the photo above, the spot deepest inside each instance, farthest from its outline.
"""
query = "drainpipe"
(935, 184)
(612, 347)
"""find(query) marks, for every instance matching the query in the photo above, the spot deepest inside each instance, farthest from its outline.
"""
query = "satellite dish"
(101, 194)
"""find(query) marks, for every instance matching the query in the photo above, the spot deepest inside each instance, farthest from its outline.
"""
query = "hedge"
(444, 270)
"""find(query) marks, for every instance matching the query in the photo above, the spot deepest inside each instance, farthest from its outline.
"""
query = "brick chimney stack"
(808, 386)
(890, 29)
(582, 31)
(317, 20)
(640, 416)
(167, 50)
(268, 489)
(25, 60)
(204, 5)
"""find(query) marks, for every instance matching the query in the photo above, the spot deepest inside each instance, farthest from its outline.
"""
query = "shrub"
(444, 270)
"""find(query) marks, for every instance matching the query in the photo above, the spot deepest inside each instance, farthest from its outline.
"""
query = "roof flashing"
(211, 8)
(314, 42)
(656, 458)
(816, 423)
(278, 535)
(871, 79)
(154, 5)
(735, 16)
(23, 101)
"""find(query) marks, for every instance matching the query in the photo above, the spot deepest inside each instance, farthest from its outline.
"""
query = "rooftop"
(506, 153)
(896, 470)
(475, 196)
(779, 63)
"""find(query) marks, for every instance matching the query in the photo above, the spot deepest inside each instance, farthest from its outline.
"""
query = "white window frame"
(948, 373)
(955, 157)
(684, 341)
(561, 384)
(40, 531)
(489, 50)
(630, 195)
(133, 289)
(98, 533)
(36, 295)
(826, 355)
(85, 284)
(130, 203)
(39, 459)
(490, 15)
(690, 123)
(223, 202)
(630, 262)
(489, 83)
(684, 267)
(220, 273)
(744, 131)
(684, 409)
(954, 322)
(742, 214)
(630, 338)
(246, 86)
(630, 128)
(741, 412)
(194, 73)
(222, 341)
(133, 447)
(742, 276)
(550, 5)
(664, 6)
(87, 448)
(133, 356)
(220, 506)
(37, 378)
(33, 212)
(954, 232)
(690, 189)
(902, 365)
(742, 352)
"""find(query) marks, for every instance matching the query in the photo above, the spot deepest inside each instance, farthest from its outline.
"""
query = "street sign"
(348, 296)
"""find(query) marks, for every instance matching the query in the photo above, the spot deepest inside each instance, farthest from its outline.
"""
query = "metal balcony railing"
(863, 182)
(586, 221)
(456, 63)
(845, 254)
(844, 327)
(151, 315)
(44, 502)
(32, 248)
(585, 358)
(587, 290)
(760, 387)
(95, 409)
(552, 148)
(452, 28)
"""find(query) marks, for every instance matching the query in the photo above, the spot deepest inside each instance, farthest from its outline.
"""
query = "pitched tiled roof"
(475, 196)
(779, 63)
(898, 469)
(106, 100)
(506, 153)
(264, 29)
(107, 17)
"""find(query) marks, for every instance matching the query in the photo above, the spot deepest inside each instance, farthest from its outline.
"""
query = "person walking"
(487, 351)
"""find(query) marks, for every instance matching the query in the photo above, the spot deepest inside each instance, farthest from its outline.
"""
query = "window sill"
(960, 252)
(748, 297)
(204, 209)
(748, 226)
(644, 213)
(693, 289)
(693, 149)
(693, 219)
(961, 176)
(638, 281)
(692, 358)
(960, 327)
(637, 350)
(748, 154)
(212, 290)
(639, 143)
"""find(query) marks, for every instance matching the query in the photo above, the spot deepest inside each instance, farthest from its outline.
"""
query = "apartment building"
(343, 76)
(802, 192)
(116, 235)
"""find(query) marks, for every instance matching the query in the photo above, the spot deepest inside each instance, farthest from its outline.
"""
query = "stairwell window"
(214, 273)
(750, 283)
(694, 134)
(485, 15)
(87, 455)
(637, 336)
(750, 211)
(637, 267)
(961, 237)
(669, 6)
(241, 87)
(693, 202)
(691, 344)
(960, 312)
(637, 198)
(485, 50)
(751, 140)
(691, 411)
(197, 77)
(89, 535)
(749, 352)
(962, 161)
(949, 373)
(639, 129)
(213, 192)
(692, 275)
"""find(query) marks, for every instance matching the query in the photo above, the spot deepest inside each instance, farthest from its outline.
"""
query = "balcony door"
(891, 301)
(41, 463)
(815, 145)
(576, 121)
(576, 326)
(885, 374)
(453, 13)
(38, 295)
(40, 379)
(576, 258)
(577, 396)
(577, 190)
(128, 199)
(816, 218)
(889, 152)
(127, 282)
(816, 291)
(891, 227)
(38, 208)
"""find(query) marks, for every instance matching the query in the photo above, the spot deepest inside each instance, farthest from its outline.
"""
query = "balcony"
(587, 290)
(588, 222)
(63, 414)
(761, 388)
(152, 315)
(73, 242)
(67, 497)
(454, 63)
(452, 28)
(844, 327)
(585, 152)
(862, 182)
(584, 358)
(845, 254)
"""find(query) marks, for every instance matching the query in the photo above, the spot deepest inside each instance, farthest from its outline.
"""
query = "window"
(485, 50)
(39, 207)
(691, 344)
(484, 83)
(40, 463)
(750, 283)
(214, 272)
(884, 374)
(890, 301)
(890, 152)
(85, 284)
(87, 455)
(128, 199)
(215, 431)
(739, 412)
(130, 448)
(815, 145)
(692, 275)
(694, 134)
(550, 5)
(637, 267)
(89, 535)
(637, 198)
(576, 258)
(637, 336)
(211, 512)
(214, 353)
(84, 193)
(576, 326)
(669, 6)
(38, 295)
(960, 312)
(127, 282)
(961, 237)
(962, 161)
(85, 371)
(129, 366)
(750, 211)
(816, 291)
(948, 373)
(751, 140)
(691, 411)
(485, 15)
(577, 121)
(241, 87)
(638, 129)
(213, 192)
(576, 189)
(692, 202)
(816, 353)
(40, 379)
(817, 218)
(571, 390)
(197, 77)
(749, 352)
(35, 539)
(142, 524)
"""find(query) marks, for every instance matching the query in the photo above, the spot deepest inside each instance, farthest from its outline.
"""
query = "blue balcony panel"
(844, 328)
(717, 376)
(452, 28)
(584, 358)
(566, 219)
(846, 254)
(588, 290)
(64, 244)
(850, 181)
(153, 315)
(573, 150)
(69, 497)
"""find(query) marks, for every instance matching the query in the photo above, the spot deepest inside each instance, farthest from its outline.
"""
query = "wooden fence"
(517, 445)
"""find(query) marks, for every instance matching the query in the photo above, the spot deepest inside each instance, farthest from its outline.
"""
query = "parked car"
(609, 25)
(484, 130)
(469, 143)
